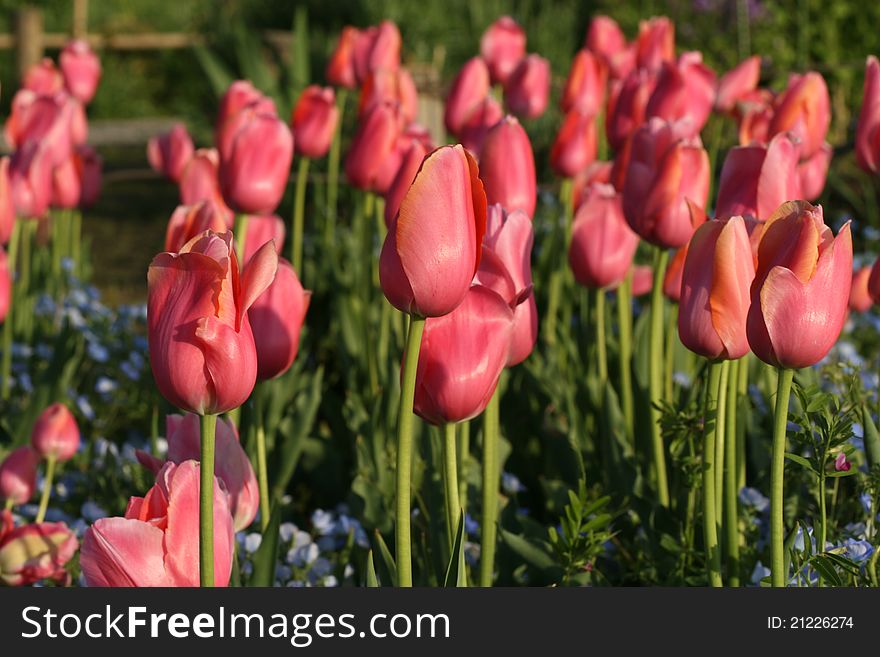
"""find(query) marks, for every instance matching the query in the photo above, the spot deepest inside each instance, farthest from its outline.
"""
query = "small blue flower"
(303, 556)
(286, 531)
(92, 512)
(85, 407)
(510, 484)
(323, 521)
(252, 542)
(105, 385)
(682, 379)
(760, 572)
(98, 352)
(754, 498)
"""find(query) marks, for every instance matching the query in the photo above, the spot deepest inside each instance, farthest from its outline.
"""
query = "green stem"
(206, 501)
(742, 389)
(8, 504)
(76, 248)
(47, 489)
(491, 465)
(333, 170)
(823, 519)
(710, 526)
(777, 476)
(299, 209)
(731, 503)
(624, 321)
(553, 306)
(262, 469)
(721, 444)
(241, 229)
(405, 422)
(464, 440)
(6, 365)
(669, 353)
(450, 476)
(601, 351)
(655, 375)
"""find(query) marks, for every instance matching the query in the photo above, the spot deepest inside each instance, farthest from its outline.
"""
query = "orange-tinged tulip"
(432, 249)
(627, 103)
(813, 172)
(262, 229)
(585, 85)
(715, 284)
(527, 89)
(507, 167)
(478, 124)
(340, 68)
(170, 152)
(604, 37)
(867, 134)
(81, 69)
(469, 89)
(801, 288)
(187, 221)
(313, 121)
(31, 553)
(859, 296)
(55, 433)
(655, 43)
(376, 47)
(575, 146)
(201, 346)
(602, 243)
(373, 142)
(200, 182)
(503, 46)
(804, 109)
(18, 475)
(737, 83)
(406, 173)
(685, 90)
(390, 86)
(674, 272)
(754, 113)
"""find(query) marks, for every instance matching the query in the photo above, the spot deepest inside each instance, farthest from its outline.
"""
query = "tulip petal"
(123, 552)
(258, 275)
(732, 276)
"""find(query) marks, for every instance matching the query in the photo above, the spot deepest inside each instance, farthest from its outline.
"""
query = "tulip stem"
(47, 488)
(333, 170)
(11, 258)
(731, 510)
(601, 350)
(405, 421)
(777, 476)
(624, 351)
(299, 208)
(669, 354)
(241, 229)
(742, 388)
(262, 469)
(712, 420)
(450, 476)
(491, 465)
(8, 504)
(464, 439)
(720, 444)
(206, 501)
(655, 375)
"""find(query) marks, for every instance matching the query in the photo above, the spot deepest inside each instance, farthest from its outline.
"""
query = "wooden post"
(28, 38)
(80, 28)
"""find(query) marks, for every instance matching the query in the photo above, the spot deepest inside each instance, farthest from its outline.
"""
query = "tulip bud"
(314, 121)
(7, 207)
(874, 282)
(655, 43)
(462, 356)
(478, 124)
(527, 89)
(507, 167)
(254, 170)
(469, 89)
(502, 46)
(627, 104)
(406, 173)
(43, 78)
(665, 172)
(30, 176)
(804, 108)
(718, 272)
(340, 68)
(262, 230)
(372, 143)
(89, 166)
(276, 318)
(31, 553)
(672, 278)
(81, 69)
(859, 296)
(757, 179)
(66, 184)
(813, 172)
(188, 221)
(867, 135)
(5, 285)
(604, 37)
(642, 280)
(685, 90)
(55, 433)
(238, 96)
(380, 50)
(596, 172)
(802, 284)
(200, 341)
(200, 182)
(738, 83)
(432, 249)
(170, 152)
(585, 85)
(753, 113)
(602, 243)
(18, 475)
(575, 145)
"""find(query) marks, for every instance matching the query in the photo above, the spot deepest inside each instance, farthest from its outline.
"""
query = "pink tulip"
(813, 172)
(804, 108)
(188, 221)
(602, 243)
(596, 172)
(340, 68)
(406, 173)
(156, 543)
(30, 176)
(32, 553)
(89, 167)
(432, 249)
(859, 296)
(240, 95)
(673, 276)
(201, 346)
(262, 230)
(627, 103)
(756, 179)
(469, 89)
(604, 37)
(867, 134)
(81, 69)
(685, 90)
(502, 46)
(585, 85)
(655, 43)
(170, 152)
(738, 83)
(314, 121)
(718, 272)
(507, 167)
(43, 78)
(475, 130)
(232, 466)
(373, 142)
(801, 289)
(388, 168)
(391, 86)
(254, 170)
(575, 146)
(18, 475)
(642, 280)
(376, 47)
(55, 433)
(200, 182)
(462, 356)
(666, 171)
(874, 282)
(527, 89)
(7, 207)
(754, 113)
(45, 120)
(66, 184)
(5, 285)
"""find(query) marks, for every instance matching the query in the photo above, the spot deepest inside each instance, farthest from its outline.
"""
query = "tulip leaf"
(456, 571)
(216, 72)
(387, 559)
(266, 555)
(872, 437)
(372, 579)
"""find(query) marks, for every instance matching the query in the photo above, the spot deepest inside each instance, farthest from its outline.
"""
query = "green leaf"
(266, 556)
(218, 75)
(800, 460)
(387, 559)
(531, 552)
(456, 571)
(842, 473)
(826, 569)
(872, 437)
(372, 580)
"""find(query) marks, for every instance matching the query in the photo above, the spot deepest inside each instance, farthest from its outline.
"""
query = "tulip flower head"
(81, 70)
(468, 90)
(18, 475)
(156, 543)
(804, 109)
(201, 345)
(55, 433)
(507, 167)
(32, 553)
(859, 296)
(432, 249)
(340, 68)
(314, 120)
(373, 142)
(188, 221)
(801, 288)
(575, 146)
(685, 90)
(585, 85)
(655, 43)
(673, 275)
(737, 83)
(867, 134)
(627, 104)
(169, 153)
(406, 173)
(503, 46)
(200, 182)
(527, 89)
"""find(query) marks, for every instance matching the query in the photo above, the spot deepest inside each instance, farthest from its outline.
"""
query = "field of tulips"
(655, 365)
